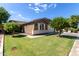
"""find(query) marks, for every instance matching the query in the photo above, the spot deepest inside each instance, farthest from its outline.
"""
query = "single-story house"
(38, 26)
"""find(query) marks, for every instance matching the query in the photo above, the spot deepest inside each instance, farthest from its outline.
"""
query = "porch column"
(33, 30)
(38, 26)
(44, 27)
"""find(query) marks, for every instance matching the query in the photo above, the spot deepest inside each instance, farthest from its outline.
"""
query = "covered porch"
(41, 28)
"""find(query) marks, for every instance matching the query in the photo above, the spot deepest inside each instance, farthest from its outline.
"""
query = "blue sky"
(30, 11)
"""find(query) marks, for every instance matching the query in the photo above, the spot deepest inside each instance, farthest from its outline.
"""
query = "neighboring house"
(38, 26)
(20, 24)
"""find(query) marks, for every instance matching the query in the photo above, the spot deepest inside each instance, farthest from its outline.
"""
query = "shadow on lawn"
(48, 34)
(51, 34)
(70, 37)
(19, 36)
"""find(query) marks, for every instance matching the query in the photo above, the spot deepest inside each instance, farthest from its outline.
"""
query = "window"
(41, 26)
(46, 27)
(36, 26)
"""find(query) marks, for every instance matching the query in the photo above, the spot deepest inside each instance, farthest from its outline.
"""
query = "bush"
(10, 27)
(78, 29)
(66, 29)
(75, 30)
(71, 29)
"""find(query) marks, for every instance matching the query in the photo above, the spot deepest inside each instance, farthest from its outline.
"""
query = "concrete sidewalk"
(75, 49)
(34, 36)
(1, 44)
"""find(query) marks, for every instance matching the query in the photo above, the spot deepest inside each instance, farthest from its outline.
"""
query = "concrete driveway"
(70, 34)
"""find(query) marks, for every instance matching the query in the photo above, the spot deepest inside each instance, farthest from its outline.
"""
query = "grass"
(50, 45)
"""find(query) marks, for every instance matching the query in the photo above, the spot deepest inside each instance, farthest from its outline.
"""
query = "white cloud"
(55, 5)
(44, 6)
(12, 12)
(37, 10)
(52, 5)
(41, 7)
(30, 4)
(17, 16)
(20, 16)
(37, 4)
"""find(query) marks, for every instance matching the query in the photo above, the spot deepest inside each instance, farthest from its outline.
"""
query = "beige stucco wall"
(28, 29)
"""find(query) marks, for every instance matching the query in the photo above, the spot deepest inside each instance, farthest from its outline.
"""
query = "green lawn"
(50, 45)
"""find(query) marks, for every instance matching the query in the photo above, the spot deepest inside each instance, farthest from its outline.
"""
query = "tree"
(10, 27)
(73, 21)
(59, 23)
(4, 15)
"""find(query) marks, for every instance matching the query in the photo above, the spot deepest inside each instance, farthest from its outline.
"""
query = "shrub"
(78, 29)
(66, 29)
(10, 27)
(74, 30)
